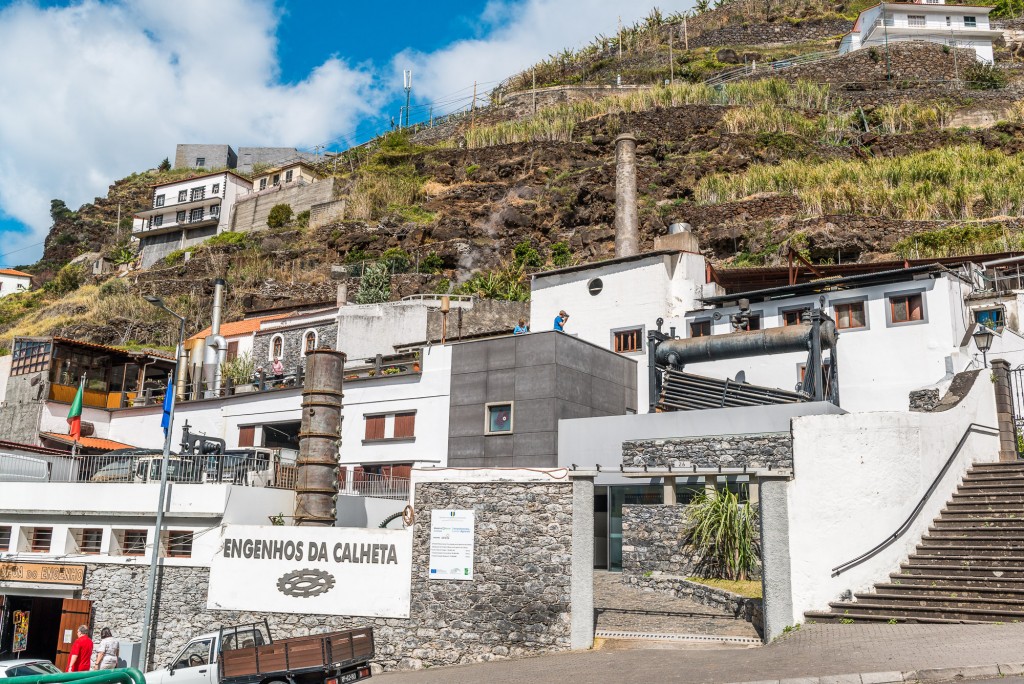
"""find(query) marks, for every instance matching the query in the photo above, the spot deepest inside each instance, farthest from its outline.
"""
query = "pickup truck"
(247, 654)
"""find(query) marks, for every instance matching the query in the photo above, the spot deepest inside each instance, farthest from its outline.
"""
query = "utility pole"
(407, 78)
(686, 37)
(620, 37)
(885, 30)
(317, 148)
(671, 61)
(431, 116)
(472, 119)
(117, 231)
(535, 91)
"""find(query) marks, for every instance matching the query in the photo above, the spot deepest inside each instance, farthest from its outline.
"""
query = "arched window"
(276, 347)
(309, 341)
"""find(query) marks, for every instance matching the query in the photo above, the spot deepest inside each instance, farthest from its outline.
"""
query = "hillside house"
(293, 172)
(187, 212)
(963, 26)
(12, 281)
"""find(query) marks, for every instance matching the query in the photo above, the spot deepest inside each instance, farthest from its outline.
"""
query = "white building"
(12, 281)
(187, 212)
(296, 172)
(964, 26)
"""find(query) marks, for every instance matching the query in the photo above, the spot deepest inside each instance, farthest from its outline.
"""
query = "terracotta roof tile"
(242, 327)
(12, 272)
(88, 442)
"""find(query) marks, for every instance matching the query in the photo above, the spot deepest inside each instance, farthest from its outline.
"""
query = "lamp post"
(161, 500)
(983, 340)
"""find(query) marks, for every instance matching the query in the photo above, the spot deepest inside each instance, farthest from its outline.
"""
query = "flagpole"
(74, 444)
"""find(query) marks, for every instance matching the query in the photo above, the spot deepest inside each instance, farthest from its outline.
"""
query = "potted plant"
(240, 370)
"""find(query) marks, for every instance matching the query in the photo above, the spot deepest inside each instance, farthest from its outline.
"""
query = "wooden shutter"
(405, 425)
(232, 351)
(74, 614)
(402, 470)
(246, 435)
(374, 427)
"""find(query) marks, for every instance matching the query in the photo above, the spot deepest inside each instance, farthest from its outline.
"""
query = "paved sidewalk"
(813, 651)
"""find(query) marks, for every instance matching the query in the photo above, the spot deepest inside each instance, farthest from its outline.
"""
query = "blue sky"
(115, 84)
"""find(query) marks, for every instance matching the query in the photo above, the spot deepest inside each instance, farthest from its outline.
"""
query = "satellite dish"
(741, 377)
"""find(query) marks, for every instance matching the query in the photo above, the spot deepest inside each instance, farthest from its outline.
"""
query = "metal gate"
(1017, 407)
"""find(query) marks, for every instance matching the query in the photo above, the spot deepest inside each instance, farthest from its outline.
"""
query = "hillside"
(914, 153)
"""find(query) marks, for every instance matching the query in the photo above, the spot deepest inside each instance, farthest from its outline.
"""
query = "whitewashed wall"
(856, 479)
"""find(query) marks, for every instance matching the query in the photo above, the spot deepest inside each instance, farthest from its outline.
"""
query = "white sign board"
(312, 570)
(451, 544)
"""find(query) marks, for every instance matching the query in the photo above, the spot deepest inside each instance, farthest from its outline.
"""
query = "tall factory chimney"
(627, 240)
(316, 486)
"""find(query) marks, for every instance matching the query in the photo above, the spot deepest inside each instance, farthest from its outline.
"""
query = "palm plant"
(723, 533)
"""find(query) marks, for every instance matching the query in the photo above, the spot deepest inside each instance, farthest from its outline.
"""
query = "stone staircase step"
(949, 602)
(822, 617)
(994, 570)
(998, 498)
(992, 549)
(895, 609)
(997, 467)
(939, 581)
(949, 591)
(999, 484)
(965, 560)
(975, 518)
(967, 529)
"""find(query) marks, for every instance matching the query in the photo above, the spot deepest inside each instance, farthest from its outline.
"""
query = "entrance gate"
(74, 614)
(1017, 406)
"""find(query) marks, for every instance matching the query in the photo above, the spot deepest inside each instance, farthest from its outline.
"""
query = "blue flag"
(165, 422)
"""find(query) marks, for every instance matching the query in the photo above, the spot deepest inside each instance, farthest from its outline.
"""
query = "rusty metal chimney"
(316, 486)
(627, 240)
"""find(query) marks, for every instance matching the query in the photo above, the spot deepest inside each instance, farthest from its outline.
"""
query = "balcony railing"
(378, 486)
(103, 399)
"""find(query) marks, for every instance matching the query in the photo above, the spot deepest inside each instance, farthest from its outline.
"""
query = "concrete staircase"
(968, 568)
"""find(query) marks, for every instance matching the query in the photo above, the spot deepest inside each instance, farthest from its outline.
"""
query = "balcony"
(147, 227)
(101, 399)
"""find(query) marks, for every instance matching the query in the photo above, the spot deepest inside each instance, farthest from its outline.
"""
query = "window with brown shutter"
(405, 425)
(5, 538)
(246, 435)
(906, 308)
(232, 351)
(41, 539)
(179, 544)
(374, 427)
(629, 340)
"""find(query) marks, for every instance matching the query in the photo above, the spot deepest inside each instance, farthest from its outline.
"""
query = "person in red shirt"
(81, 652)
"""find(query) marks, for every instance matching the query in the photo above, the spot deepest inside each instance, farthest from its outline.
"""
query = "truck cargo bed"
(316, 652)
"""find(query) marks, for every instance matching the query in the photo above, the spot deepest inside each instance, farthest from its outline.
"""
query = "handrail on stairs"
(902, 529)
(126, 675)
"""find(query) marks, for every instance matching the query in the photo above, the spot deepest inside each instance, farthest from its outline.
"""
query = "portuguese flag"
(75, 414)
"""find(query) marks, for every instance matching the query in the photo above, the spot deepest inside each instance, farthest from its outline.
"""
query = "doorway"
(44, 617)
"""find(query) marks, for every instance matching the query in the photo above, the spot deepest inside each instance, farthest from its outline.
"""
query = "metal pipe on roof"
(1000, 262)
(792, 338)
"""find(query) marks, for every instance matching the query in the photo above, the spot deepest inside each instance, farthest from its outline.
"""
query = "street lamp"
(161, 500)
(983, 340)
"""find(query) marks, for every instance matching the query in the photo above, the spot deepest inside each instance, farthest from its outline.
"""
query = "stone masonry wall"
(292, 348)
(766, 450)
(326, 213)
(250, 211)
(517, 604)
(771, 34)
(653, 540)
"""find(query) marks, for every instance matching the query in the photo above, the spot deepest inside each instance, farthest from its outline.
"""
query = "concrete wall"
(326, 213)
(273, 156)
(216, 156)
(250, 211)
(856, 479)
(482, 317)
(5, 374)
(598, 441)
(10, 284)
(368, 511)
(517, 604)
(547, 376)
(366, 330)
(22, 408)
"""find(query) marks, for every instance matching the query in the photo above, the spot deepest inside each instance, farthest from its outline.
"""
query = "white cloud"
(515, 34)
(97, 90)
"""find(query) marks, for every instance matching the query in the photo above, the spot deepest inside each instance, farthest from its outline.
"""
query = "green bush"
(113, 287)
(472, 168)
(122, 253)
(354, 256)
(228, 239)
(176, 256)
(302, 219)
(395, 259)
(279, 215)
(508, 283)
(561, 255)
(432, 263)
(525, 255)
(984, 77)
(165, 165)
(375, 284)
(722, 531)
(68, 279)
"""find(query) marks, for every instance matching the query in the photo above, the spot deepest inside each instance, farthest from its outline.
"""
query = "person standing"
(81, 652)
(107, 653)
(278, 368)
(560, 320)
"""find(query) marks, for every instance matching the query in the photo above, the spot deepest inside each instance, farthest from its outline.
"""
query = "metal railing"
(770, 67)
(902, 529)
(244, 468)
(378, 486)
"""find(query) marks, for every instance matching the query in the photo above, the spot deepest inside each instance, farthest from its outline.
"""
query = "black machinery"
(672, 389)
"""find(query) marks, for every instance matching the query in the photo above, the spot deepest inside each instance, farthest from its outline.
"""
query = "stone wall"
(653, 540)
(766, 450)
(292, 356)
(518, 603)
(521, 103)
(772, 34)
(743, 607)
(250, 212)
(488, 316)
(326, 213)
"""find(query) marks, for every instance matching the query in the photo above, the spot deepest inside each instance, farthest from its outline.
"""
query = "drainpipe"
(626, 220)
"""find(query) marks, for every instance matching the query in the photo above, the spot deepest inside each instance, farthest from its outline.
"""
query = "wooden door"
(74, 614)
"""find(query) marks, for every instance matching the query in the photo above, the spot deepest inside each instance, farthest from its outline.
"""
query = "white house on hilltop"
(12, 281)
(963, 26)
(186, 212)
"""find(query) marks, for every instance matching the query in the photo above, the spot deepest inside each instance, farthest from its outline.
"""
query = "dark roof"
(607, 262)
(5, 444)
(116, 350)
(202, 175)
(829, 284)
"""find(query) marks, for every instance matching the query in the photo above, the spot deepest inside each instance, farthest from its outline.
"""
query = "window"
(180, 217)
(595, 286)
(887, 20)
(374, 427)
(183, 195)
(198, 194)
(29, 356)
(158, 220)
(196, 654)
(215, 210)
(40, 539)
(232, 352)
(850, 316)
(179, 544)
(915, 20)
(263, 183)
(970, 22)
(277, 179)
(700, 328)
(906, 308)
(499, 419)
(159, 201)
(753, 322)
(246, 435)
(793, 316)
(994, 319)
(5, 538)
(626, 341)
(200, 162)
(215, 190)
(133, 542)
(276, 347)
(90, 540)
(196, 214)
(288, 176)
(949, 22)
(405, 425)
(309, 342)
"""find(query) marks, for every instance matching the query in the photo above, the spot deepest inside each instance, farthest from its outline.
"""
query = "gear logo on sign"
(305, 583)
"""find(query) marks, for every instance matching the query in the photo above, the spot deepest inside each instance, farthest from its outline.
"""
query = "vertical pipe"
(316, 487)
(626, 221)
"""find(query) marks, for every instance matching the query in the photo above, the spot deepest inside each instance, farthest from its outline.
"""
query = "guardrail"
(378, 486)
